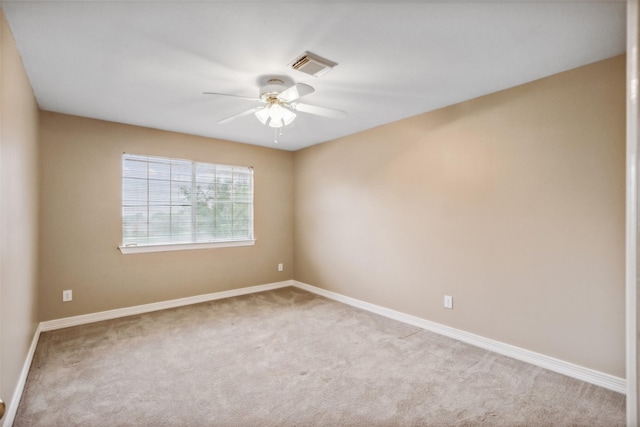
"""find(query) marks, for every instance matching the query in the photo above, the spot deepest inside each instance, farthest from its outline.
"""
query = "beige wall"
(513, 203)
(18, 213)
(80, 219)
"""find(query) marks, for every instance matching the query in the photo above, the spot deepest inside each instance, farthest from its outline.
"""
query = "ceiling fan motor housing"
(272, 89)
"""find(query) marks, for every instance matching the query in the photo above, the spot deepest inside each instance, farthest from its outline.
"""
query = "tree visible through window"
(172, 201)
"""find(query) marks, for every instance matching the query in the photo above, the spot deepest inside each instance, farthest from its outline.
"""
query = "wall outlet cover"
(448, 301)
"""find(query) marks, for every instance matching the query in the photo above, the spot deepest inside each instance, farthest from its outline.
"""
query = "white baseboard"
(12, 408)
(146, 308)
(560, 366)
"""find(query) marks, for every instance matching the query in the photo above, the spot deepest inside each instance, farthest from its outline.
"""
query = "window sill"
(126, 250)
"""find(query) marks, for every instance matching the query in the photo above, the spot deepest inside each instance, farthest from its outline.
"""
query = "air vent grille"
(312, 64)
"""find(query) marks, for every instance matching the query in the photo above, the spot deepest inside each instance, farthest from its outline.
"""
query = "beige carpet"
(290, 358)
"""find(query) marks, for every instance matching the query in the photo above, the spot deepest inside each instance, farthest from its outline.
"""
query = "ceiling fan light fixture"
(275, 115)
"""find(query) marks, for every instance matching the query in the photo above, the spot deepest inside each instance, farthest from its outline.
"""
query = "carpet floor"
(290, 358)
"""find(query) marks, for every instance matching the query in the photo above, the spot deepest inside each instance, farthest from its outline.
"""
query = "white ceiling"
(147, 63)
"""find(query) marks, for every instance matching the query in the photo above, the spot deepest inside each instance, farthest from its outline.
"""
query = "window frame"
(179, 246)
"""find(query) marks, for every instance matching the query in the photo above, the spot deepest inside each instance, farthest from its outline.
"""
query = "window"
(170, 204)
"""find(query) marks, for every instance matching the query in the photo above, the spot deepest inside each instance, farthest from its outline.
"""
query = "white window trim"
(126, 250)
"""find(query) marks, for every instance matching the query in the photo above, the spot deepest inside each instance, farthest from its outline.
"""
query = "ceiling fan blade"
(296, 91)
(231, 96)
(244, 113)
(320, 111)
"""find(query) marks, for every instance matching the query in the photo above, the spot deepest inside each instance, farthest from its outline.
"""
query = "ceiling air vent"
(312, 64)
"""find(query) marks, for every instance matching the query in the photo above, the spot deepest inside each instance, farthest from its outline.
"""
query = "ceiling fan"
(278, 104)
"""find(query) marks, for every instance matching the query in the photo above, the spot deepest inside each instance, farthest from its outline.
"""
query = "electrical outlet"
(448, 301)
(67, 295)
(280, 267)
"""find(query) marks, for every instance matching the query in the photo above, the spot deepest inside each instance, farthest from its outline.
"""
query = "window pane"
(134, 168)
(159, 193)
(205, 231)
(241, 216)
(134, 191)
(224, 182)
(181, 170)
(181, 224)
(181, 193)
(134, 224)
(160, 169)
(205, 173)
(159, 224)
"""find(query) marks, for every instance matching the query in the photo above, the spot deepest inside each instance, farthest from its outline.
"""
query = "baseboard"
(146, 308)
(12, 408)
(560, 366)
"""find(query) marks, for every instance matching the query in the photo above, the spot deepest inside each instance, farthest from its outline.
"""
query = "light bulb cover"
(263, 114)
(288, 116)
(275, 115)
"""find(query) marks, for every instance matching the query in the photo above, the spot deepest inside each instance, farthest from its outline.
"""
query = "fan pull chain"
(276, 133)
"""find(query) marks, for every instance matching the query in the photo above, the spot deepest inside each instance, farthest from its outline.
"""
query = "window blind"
(172, 201)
